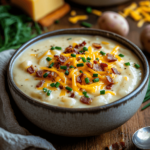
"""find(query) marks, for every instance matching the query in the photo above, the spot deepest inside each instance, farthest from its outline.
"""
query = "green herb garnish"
(51, 65)
(83, 59)
(81, 71)
(89, 10)
(96, 80)
(80, 65)
(57, 84)
(71, 66)
(68, 88)
(58, 48)
(121, 55)
(73, 55)
(103, 53)
(49, 92)
(66, 72)
(63, 67)
(52, 84)
(137, 66)
(45, 75)
(16, 28)
(86, 24)
(45, 90)
(52, 48)
(127, 64)
(87, 80)
(48, 59)
(95, 75)
(85, 49)
(102, 92)
(88, 58)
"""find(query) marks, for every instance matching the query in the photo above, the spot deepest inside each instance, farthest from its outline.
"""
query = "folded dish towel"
(12, 135)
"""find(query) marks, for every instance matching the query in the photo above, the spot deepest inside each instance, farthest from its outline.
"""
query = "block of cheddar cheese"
(38, 8)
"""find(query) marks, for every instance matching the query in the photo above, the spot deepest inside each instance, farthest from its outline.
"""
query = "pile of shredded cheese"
(139, 13)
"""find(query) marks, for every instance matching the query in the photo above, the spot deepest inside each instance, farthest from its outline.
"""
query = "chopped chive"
(88, 58)
(68, 88)
(96, 80)
(83, 59)
(97, 59)
(103, 53)
(80, 65)
(121, 55)
(66, 72)
(52, 48)
(102, 92)
(49, 92)
(57, 84)
(73, 55)
(51, 65)
(85, 49)
(71, 66)
(48, 59)
(69, 38)
(127, 64)
(86, 24)
(58, 48)
(81, 51)
(87, 80)
(45, 90)
(89, 10)
(84, 93)
(56, 21)
(52, 84)
(146, 106)
(63, 67)
(45, 75)
(137, 66)
(95, 75)
(86, 96)
(81, 71)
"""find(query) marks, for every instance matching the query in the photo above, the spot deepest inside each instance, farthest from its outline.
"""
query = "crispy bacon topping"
(109, 79)
(72, 95)
(111, 57)
(40, 83)
(79, 78)
(70, 49)
(95, 61)
(39, 73)
(96, 45)
(89, 64)
(61, 59)
(52, 74)
(81, 45)
(30, 69)
(115, 71)
(117, 146)
(86, 100)
(103, 65)
(109, 86)
(61, 86)
(97, 67)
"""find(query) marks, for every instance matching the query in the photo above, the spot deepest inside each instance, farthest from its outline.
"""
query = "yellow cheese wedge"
(37, 9)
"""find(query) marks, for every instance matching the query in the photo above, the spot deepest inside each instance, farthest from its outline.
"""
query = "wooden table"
(139, 120)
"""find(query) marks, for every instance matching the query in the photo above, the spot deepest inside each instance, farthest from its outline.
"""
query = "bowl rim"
(116, 103)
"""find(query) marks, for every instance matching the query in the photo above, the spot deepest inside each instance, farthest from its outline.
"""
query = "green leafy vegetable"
(16, 28)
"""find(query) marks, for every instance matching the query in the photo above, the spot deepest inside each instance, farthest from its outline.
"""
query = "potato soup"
(77, 71)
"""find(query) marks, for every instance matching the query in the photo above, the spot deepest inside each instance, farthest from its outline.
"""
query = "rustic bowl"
(80, 121)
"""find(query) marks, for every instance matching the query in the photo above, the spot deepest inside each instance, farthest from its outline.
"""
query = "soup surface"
(77, 71)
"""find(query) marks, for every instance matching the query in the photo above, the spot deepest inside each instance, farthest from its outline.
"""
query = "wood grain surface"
(139, 120)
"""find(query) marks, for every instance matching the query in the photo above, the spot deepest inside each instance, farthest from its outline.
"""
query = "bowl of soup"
(78, 82)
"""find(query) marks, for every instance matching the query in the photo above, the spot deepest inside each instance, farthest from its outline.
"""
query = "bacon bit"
(78, 58)
(80, 45)
(115, 71)
(39, 73)
(72, 95)
(79, 80)
(111, 58)
(70, 49)
(117, 146)
(89, 64)
(109, 86)
(40, 83)
(95, 61)
(97, 67)
(68, 65)
(109, 79)
(31, 69)
(52, 74)
(96, 45)
(103, 65)
(86, 100)
(61, 59)
(61, 86)
(57, 65)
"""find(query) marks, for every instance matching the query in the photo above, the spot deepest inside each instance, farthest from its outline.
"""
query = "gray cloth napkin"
(12, 135)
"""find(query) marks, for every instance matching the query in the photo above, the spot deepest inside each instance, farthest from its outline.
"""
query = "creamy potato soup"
(77, 71)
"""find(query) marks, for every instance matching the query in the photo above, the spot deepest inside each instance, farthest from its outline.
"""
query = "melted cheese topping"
(36, 55)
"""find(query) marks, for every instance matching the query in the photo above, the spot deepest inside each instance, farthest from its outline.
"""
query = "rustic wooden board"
(140, 119)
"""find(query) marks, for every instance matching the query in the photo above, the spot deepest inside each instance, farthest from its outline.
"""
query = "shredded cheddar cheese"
(77, 18)
(96, 12)
(139, 13)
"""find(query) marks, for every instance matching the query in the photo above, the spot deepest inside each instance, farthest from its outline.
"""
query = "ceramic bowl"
(79, 122)
(99, 2)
